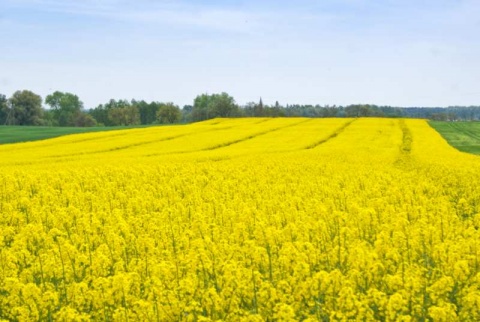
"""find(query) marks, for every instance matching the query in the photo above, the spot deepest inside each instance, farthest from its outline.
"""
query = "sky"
(384, 52)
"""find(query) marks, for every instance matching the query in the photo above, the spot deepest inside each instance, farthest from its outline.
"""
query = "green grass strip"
(464, 136)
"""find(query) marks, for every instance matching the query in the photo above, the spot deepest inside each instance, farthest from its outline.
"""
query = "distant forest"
(66, 109)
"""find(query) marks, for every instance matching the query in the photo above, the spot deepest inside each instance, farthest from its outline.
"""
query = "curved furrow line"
(119, 148)
(124, 147)
(331, 136)
(404, 159)
(406, 146)
(250, 137)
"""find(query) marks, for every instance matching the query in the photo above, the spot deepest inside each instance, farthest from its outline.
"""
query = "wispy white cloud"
(216, 19)
(162, 12)
(252, 19)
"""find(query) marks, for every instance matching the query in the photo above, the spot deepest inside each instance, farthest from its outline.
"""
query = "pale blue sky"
(392, 52)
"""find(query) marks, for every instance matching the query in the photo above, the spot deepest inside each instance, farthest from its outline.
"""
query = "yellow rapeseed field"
(241, 220)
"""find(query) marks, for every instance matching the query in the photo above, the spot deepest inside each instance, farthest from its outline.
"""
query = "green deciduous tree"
(85, 120)
(121, 112)
(4, 110)
(148, 111)
(26, 108)
(187, 113)
(128, 115)
(66, 108)
(169, 113)
(207, 106)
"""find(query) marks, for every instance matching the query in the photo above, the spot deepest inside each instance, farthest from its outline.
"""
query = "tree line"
(66, 109)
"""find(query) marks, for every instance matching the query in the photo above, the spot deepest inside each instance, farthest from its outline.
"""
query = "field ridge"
(331, 136)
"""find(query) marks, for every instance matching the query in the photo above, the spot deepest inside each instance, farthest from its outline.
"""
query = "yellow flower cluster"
(241, 220)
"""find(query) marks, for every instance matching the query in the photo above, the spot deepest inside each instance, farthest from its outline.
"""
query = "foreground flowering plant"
(241, 220)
